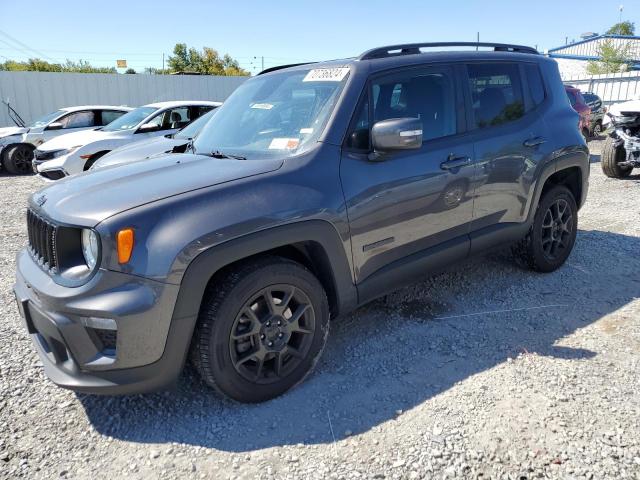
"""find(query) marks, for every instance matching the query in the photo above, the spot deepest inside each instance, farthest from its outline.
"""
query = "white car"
(76, 152)
(17, 143)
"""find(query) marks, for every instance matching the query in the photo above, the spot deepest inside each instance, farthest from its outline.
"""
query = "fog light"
(101, 323)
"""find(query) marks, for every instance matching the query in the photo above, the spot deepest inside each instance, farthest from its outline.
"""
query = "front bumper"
(62, 323)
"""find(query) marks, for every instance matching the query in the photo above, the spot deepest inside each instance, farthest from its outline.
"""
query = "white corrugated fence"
(612, 87)
(34, 94)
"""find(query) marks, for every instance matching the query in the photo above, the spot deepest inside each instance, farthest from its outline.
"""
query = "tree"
(207, 62)
(39, 65)
(623, 28)
(612, 59)
(130, 71)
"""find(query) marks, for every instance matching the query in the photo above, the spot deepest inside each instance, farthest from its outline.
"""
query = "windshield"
(191, 130)
(44, 120)
(129, 120)
(274, 115)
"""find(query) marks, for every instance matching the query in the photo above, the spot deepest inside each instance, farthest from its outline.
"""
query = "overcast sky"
(284, 31)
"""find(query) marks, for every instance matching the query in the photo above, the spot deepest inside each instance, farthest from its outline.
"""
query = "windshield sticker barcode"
(326, 74)
(306, 131)
(262, 106)
(284, 144)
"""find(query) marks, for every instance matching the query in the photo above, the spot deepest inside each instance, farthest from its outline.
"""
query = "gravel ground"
(485, 371)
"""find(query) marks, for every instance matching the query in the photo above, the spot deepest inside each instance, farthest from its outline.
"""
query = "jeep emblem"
(41, 200)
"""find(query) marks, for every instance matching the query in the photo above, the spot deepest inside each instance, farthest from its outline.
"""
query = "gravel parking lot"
(485, 371)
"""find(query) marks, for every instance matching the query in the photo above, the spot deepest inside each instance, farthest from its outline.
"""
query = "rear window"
(496, 93)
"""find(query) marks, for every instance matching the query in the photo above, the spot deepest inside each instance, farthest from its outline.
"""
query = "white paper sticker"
(306, 131)
(262, 106)
(326, 74)
(284, 144)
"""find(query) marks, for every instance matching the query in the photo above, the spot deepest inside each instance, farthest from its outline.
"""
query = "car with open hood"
(76, 152)
(18, 143)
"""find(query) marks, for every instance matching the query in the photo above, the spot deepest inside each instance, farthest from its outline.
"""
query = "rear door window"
(496, 93)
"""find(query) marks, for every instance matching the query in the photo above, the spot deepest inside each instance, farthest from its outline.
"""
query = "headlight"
(66, 151)
(90, 247)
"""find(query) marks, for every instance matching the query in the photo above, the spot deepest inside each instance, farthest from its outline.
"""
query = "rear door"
(506, 101)
(413, 199)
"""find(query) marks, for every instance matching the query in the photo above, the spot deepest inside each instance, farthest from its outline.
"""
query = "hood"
(91, 197)
(141, 150)
(630, 106)
(83, 137)
(8, 131)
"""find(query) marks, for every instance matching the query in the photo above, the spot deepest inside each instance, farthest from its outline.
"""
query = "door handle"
(454, 162)
(534, 142)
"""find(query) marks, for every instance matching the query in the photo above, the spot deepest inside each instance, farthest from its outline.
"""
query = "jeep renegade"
(314, 189)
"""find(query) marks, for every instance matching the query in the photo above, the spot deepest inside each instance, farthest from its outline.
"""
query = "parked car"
(579, 105)
(621, 150)
(150, 148)
(75, 153)
(314, 189)
(597, 113)
(18, 143)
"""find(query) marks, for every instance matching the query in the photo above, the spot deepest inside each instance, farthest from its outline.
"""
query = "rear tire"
(17, 159)
(611, 157)
(553, 233)
(261, 329)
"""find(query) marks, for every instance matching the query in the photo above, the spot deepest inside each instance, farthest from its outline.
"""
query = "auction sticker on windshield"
(326, 74)
(284, 144)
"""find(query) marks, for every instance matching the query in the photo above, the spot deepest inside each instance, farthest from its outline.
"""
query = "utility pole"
(621, 9)
(262, 63)
(477, 40)
(163, 64)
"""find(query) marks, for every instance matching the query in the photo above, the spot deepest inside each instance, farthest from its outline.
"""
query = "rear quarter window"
(536, 84)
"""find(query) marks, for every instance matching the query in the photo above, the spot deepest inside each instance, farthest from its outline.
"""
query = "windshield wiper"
(219, 154)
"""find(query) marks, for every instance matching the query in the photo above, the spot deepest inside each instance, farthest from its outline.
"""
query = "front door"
(410, 200)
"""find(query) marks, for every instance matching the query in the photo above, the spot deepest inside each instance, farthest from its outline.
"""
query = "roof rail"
(280, 67)
(414, 48)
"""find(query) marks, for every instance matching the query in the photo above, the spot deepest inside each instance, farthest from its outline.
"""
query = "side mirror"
(396, 134)
(55, 126)
(148, 127)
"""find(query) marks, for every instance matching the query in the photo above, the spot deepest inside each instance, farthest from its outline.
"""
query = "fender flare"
(563, 161)
(213, 259)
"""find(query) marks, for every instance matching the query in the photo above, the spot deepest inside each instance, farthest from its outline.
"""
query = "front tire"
(553, 233)
(261, 329)
(17, 159)
(611, 157)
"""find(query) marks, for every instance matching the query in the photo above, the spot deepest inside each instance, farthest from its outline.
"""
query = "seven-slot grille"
(42, 240)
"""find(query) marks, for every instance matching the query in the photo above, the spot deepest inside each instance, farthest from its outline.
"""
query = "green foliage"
(206, 62)
(39, 65)
(612, 59)
(622, 28)
(131, 71)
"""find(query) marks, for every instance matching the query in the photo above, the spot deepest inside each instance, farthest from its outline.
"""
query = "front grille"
(42, 240)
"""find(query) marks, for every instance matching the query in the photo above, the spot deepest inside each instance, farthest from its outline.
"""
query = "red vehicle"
(580, 105)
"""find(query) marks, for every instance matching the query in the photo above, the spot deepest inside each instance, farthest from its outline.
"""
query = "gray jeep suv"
(315, 189)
